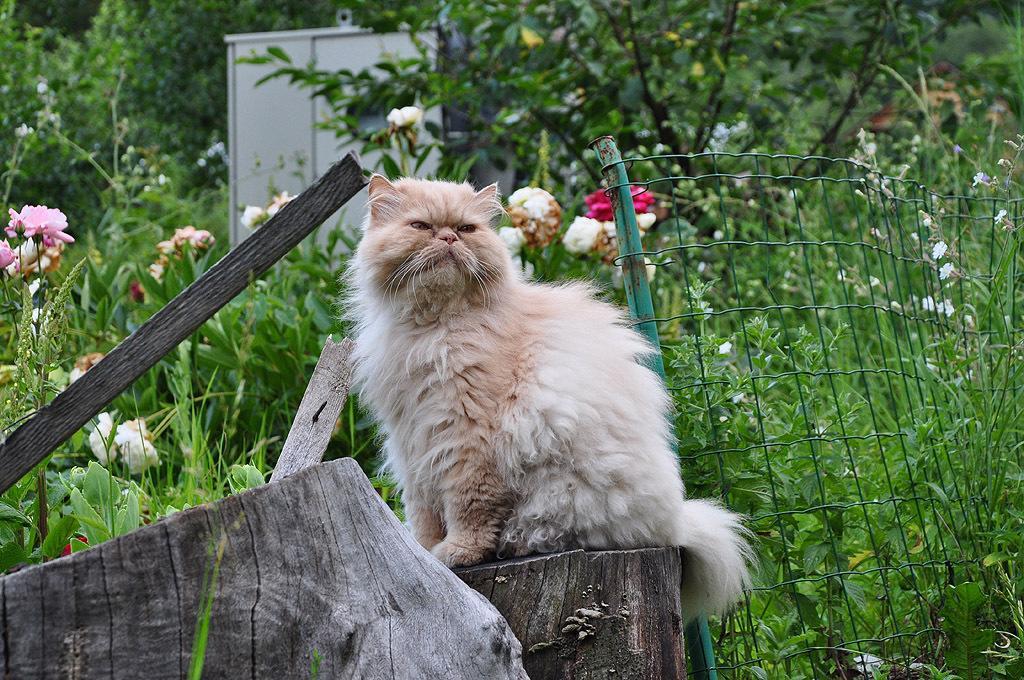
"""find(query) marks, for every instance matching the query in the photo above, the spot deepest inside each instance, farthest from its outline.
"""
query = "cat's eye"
(420, 225)
(467, 228)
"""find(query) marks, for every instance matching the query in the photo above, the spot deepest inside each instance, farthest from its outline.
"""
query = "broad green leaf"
(12, 554)
(93, 526)
(128, 515)
(9, 514)
(58, 534)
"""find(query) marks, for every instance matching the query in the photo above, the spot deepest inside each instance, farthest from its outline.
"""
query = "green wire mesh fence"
(841, 347)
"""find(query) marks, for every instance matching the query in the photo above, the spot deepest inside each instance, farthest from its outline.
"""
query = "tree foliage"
(665, 77)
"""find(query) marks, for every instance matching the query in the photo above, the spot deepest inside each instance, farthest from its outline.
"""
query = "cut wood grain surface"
(591, 614)
(321, 405)
(313, 566)
(86, 397)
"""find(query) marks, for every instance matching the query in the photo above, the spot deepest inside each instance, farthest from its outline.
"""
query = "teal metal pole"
(699, 650)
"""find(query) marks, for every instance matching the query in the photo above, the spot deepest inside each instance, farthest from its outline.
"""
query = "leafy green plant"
(967, 640)
(103, 505)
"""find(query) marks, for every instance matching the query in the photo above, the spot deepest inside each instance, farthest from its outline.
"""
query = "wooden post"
(313, 572)
(591, 614)
(321, 404)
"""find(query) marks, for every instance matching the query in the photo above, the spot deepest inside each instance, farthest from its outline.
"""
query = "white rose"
(581, 236)
(513, 238)
(645, 220)
(137, 450)
(251, 215)
(100, 442)
(407, 116)
(535, 201)
(538, 205)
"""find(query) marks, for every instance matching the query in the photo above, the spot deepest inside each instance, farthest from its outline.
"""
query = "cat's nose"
(447, 235)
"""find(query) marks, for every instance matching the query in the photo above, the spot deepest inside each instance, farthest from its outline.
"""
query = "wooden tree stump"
(591, 614)
(313, 571)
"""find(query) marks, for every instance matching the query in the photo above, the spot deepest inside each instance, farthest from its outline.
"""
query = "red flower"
(138, 295)
(67, 548)
(643, 200)
(599, 206)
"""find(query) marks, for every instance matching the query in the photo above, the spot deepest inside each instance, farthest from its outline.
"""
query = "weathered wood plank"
(140, 351)
(314, 565)
(321, 404)
(591, 614)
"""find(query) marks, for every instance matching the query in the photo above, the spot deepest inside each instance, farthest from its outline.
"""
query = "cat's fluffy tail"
(716, 558)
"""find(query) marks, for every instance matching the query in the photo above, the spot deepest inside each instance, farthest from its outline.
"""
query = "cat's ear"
(383, 197)
(489, 193)
(490, 199)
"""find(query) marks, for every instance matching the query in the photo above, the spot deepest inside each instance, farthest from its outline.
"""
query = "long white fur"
(588, 446)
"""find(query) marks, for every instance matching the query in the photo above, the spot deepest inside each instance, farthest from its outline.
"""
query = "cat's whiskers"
(395, 278)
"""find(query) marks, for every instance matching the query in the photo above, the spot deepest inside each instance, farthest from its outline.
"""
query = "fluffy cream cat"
(517, 417)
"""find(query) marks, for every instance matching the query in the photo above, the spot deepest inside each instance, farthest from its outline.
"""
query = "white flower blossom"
(23, 131)
(513, 238)
(537, 202)
(718, 235)
(136, 446)
(582, 234)
(279, 201)
(156, 270)
(251, 215)
(939, 250)
(928, 304)
(725, 347)
(407, 116)
(1000, 216)
(945, 271)
(874, 281)
(42, 88)
(981, 178)
(945, 307)
(645, 221)
(100, 441)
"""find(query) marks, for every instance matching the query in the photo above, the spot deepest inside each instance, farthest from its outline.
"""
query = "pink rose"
(599, 206)
(7, 256)
(643, 199)
(38, 220)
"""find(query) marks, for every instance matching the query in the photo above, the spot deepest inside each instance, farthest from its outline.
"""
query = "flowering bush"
(184, 239)
(595, 232)
(536, 214)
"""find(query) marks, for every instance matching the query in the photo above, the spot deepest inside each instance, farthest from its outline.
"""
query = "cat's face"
(432, 236)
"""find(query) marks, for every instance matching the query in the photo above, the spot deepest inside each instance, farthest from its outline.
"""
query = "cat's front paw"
(457, 555)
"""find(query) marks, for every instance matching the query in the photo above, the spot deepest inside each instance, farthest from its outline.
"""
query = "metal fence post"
(699, 649)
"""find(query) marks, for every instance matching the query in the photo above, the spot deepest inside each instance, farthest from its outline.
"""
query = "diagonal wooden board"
(182, 316)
